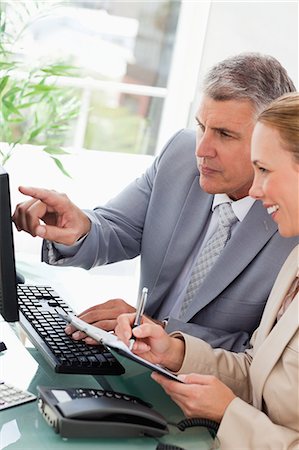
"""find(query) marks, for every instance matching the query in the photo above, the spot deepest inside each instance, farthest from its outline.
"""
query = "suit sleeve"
(116, 228)
(244, 426)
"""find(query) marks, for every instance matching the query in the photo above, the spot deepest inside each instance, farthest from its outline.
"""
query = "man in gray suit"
(170, 213)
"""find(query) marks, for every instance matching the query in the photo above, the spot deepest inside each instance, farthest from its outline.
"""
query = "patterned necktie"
(209, 253)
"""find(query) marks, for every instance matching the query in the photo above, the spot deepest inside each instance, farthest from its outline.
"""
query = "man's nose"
(205, 147)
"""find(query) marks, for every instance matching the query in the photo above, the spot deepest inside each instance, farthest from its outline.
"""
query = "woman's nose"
(256, 190)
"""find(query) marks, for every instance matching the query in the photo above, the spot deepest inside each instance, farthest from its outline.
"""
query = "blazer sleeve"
(231, 368)
(244, 426)
(237, 341)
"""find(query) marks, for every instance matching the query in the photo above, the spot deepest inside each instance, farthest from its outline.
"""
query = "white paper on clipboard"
(112, 342)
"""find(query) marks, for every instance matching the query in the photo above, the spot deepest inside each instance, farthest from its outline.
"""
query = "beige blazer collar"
(271, 340)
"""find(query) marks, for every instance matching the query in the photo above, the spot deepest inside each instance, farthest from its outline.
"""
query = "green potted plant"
(34, 107)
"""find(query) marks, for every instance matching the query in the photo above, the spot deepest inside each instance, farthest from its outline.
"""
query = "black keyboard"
(38, 306)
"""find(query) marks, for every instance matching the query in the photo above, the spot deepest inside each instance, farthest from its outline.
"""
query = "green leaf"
(41, 88)
(10, 107)
(55, 150)
(3, 83)
(5, 158)
(7, 65)
(5, 112)
(60, 167)
(59, 70)
(12, 92)
(36, 131)
(26, 105)
(15, 119)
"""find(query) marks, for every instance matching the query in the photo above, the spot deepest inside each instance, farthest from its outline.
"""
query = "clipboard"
(115, 345)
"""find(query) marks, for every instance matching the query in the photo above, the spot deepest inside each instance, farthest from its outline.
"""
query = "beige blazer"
(266, 375)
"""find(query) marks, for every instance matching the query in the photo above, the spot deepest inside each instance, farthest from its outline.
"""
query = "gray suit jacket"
(160, 216)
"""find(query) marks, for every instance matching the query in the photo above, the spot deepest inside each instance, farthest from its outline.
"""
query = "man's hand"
(202, 396)
(50, 215)
(103, 316)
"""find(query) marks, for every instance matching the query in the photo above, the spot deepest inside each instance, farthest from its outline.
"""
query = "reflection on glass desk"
(23, 427)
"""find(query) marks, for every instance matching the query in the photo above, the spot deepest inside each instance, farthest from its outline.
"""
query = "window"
(124, 51)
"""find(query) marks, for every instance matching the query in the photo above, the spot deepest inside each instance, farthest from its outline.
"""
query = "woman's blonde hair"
(283, 115)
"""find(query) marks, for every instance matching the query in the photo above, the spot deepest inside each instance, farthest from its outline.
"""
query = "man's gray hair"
(248, 76)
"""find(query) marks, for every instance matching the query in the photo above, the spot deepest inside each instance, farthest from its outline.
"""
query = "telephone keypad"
(95, 393)
(13, 396)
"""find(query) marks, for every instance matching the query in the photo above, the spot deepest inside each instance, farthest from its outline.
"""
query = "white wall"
(269, 27)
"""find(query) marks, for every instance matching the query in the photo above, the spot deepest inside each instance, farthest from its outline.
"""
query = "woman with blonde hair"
(252, 395)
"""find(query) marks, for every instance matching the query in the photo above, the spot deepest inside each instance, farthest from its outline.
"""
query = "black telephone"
(79, 412)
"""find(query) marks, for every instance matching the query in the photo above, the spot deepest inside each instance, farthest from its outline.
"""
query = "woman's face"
(276, 179)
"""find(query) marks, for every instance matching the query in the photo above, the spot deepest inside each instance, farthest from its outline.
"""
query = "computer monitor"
(8, 289)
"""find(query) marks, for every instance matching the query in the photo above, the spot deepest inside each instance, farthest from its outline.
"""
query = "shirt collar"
(240, 207)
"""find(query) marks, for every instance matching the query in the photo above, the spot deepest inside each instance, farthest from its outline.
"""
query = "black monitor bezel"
(8, 288)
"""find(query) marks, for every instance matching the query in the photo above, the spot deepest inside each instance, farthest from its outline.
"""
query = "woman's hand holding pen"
(152, 342)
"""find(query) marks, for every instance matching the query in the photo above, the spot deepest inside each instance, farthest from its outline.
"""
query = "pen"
(139, 312)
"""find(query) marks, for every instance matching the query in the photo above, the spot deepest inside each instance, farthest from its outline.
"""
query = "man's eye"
(224, 134)
(200, 126)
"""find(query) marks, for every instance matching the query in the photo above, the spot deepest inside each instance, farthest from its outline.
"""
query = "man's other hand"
(102, 316)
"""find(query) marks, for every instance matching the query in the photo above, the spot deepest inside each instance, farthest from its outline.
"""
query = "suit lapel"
(279, 291)
(250, 237)
(271, 340)
(192, 220)
(271, 350)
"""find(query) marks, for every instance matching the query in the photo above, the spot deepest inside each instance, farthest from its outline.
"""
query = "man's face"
(223, 146)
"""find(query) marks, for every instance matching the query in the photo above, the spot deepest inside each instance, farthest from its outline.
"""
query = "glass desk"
(23, 427)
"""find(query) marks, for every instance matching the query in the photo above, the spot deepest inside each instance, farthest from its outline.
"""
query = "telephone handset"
(78, 412)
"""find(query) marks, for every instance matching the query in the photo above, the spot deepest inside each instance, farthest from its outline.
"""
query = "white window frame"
(182, 82)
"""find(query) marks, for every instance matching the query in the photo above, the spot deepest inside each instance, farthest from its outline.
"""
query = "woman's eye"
(262, 170)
